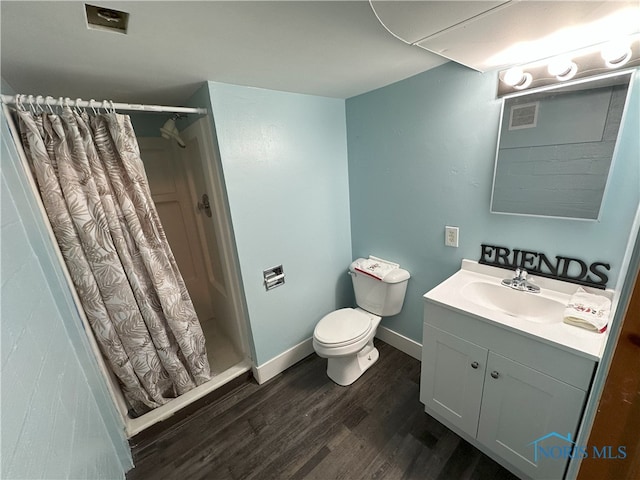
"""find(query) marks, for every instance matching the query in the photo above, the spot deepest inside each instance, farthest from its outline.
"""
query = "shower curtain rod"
(28, 100)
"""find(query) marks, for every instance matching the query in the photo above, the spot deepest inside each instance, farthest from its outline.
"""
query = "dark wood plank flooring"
(300, 425)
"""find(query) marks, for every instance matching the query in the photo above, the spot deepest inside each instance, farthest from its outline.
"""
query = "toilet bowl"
(345, 336)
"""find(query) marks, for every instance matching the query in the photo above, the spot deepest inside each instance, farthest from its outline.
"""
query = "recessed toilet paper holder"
(273, 277)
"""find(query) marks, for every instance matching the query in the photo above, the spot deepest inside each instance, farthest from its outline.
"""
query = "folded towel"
(588, 311)
(375, 267)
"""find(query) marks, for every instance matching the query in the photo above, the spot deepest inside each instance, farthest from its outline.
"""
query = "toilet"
(345, 336)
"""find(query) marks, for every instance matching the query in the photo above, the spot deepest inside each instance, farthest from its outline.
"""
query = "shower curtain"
(96, 195)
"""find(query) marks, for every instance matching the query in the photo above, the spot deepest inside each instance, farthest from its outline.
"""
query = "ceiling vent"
(101, 18)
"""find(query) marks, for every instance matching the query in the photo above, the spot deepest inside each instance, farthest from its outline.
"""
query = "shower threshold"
(133, 426)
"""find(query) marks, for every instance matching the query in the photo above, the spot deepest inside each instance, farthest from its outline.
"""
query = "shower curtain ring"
(46, 102)
(77, 108)
(113, 107)
(32, 107)
(23, 99)
(19, 105)
(39, 99)
(91, 102)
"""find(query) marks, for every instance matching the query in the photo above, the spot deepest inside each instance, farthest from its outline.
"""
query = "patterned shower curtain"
(96, 194)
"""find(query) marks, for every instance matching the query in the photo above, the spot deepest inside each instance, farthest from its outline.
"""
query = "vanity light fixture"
(562, 68)
(600, 59)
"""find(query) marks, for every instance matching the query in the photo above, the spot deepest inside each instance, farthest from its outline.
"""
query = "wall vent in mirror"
(556, 146)
(523, 116)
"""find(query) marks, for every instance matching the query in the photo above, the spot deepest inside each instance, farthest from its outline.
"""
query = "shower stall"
(187, 188)
(186, 207)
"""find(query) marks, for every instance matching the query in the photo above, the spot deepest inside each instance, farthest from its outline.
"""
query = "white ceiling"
(488, 35)
(335, 49)
(330, 48)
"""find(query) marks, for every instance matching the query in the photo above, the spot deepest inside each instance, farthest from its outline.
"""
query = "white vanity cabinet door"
(452, 377)
(521, 405)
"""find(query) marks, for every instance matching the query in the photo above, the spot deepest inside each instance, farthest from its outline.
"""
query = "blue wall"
(58, 420)
(148, 125)
(421, 156)
(285, 168)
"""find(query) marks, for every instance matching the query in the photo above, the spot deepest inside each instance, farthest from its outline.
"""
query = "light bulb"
(517, 79)
(562, 68)
(615, 54)
(513, 76)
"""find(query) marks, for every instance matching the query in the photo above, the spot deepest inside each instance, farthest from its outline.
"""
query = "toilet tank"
(381, 297)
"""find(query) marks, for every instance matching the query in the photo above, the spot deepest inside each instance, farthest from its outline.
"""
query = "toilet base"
(346, 370)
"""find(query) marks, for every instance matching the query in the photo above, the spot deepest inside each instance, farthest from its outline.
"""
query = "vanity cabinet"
(502, 391)
(452, 378)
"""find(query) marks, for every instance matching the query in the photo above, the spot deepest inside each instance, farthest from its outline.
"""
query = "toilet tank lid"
(396, 275)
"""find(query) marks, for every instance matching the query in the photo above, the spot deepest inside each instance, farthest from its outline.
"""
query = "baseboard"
(402, 343)
(279, 364)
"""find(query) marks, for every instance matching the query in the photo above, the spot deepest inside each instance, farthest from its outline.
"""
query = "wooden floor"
(300, 425)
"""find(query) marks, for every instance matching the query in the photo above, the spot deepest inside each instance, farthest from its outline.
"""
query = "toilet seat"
(342, 327)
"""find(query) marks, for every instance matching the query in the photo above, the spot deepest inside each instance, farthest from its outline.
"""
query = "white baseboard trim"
(402, 343)
(279, 364)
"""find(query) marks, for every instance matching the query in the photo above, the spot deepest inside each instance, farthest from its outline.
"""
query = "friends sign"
(567, 269)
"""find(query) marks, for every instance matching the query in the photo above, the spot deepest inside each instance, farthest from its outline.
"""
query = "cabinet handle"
(475, 365)
(494, 374)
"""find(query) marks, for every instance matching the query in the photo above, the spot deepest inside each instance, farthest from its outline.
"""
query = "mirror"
(555, 149)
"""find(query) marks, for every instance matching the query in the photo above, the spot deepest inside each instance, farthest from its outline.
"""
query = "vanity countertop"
(555, 332)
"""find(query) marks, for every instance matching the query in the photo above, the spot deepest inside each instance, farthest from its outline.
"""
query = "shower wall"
(148, 124)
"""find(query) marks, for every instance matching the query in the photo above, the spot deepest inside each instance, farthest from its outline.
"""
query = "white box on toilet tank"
(381, 297)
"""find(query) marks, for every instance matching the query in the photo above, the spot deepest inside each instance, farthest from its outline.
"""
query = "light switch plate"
(451, 236)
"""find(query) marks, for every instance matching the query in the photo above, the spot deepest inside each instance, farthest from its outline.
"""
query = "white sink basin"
(533, 307)
(476, 290)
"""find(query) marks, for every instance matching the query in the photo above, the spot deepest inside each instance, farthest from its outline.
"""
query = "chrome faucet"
(520, 282)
